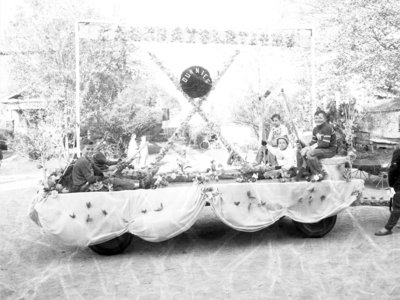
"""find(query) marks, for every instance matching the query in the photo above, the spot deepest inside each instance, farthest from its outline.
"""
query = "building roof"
(391, 105)
(15, 102)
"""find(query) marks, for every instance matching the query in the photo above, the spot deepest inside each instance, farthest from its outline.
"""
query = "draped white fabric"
(89, 218)
(157, 215)
(251, 207)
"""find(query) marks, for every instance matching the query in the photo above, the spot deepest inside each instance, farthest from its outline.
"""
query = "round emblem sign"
(196, 81)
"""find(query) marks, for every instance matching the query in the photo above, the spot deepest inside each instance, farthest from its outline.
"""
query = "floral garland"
(175, 80)
(216, 129)
(196, 108)
(225, 68)
(279, 38)
(171, 140)
(171, 77)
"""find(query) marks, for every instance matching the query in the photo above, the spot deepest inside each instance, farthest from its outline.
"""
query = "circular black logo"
(196, 82)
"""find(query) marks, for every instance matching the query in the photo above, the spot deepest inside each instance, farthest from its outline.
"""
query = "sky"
(221, 14)
(204, 14)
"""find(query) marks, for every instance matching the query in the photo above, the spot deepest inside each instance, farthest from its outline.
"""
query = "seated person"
(277, 130)
(100, 160)
(233, 159)
(264, 156)
(286, 160)
(322, 145)
(85, 172)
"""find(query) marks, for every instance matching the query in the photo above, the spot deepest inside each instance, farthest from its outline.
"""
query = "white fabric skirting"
(252, 207)
(84, 219)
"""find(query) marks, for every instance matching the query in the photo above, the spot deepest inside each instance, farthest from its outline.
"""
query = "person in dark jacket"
(394, 182)
(323, 145)
(85, 172)
(100, 160)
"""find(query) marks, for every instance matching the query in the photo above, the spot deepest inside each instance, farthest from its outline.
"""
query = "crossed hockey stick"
(196, 108)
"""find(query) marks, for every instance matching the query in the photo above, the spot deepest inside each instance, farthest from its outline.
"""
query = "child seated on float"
(286, 160)
(323, 145)
(265, 157)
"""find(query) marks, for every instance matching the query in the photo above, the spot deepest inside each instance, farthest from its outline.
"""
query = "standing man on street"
(394, 182)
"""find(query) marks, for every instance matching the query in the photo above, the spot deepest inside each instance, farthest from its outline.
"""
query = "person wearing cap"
(394, 182)
(322, 145)
(285, 157)
(277, 130)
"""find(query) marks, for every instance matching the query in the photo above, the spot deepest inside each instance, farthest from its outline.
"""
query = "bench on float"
(335, 166)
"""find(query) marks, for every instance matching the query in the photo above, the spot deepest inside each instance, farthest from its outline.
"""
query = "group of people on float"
(93, 166)
(283, 161)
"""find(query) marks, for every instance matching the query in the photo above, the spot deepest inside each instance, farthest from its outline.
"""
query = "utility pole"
(77, 93)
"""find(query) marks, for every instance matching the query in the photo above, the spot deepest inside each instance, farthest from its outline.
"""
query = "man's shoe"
(383, 232)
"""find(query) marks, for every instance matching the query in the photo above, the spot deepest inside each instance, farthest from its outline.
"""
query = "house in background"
(12, 109)
(383, 120)
(381, 125)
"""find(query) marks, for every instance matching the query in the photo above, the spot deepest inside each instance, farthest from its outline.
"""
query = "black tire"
(114, 246)
(316, 230)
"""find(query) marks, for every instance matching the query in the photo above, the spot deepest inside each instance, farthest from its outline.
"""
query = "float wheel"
(114, 246)
(316, 230)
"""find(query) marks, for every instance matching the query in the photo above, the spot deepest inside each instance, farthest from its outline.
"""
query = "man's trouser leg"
(299, 160)
(314, 156)
(271, 159)
(260, 155)
(395, 213)
(314, 165)
(120, 184)
(272, 174)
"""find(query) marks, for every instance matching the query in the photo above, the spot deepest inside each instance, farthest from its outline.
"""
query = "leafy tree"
(132, 112)
(362, 38)
(44, 66)
(253, 108)
(43, 139)
(43, 61)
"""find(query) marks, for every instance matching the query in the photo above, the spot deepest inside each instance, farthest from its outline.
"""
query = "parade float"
(106, 220)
